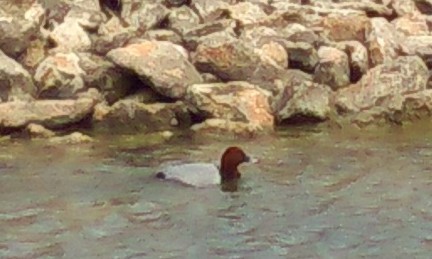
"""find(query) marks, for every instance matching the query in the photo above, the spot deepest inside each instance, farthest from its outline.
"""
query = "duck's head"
(231, 159)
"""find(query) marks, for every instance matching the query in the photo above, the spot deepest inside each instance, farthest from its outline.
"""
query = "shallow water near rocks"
(311, 194)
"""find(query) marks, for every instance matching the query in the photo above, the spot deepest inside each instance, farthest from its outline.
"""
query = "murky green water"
(312, 194)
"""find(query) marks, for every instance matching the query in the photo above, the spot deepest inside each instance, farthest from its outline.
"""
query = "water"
(312, 194)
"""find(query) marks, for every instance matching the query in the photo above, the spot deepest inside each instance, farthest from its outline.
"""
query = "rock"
(16, 34)
(417, 106)
(164, 64)
(60, 76)
(99, 73)
(232, 101)
(182, 19)
(357, 56)
(301, 55)
(111, 35)
(163, 35)
(73, 138)
(333, 68)
(87, 18)
(210, 10)
(420, 46)
(131, 116)
(408, 25)
(143, 15)
(246, 13)
(38, 131)
(34, 54)
(382, 91)
(48, 113)
(176, 3)
(195, 36)
(298, 33)
(276, 54)
(258, 35)
(68, 76)
(70, 36)
(404, 7)
(15, 82)
(383, 41)
(346, 28)
(232, 59)
(301, 98)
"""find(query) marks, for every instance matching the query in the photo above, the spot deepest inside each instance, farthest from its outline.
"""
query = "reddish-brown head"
(231, 158)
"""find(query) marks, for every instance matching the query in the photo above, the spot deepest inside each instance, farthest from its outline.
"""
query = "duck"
(208, 174)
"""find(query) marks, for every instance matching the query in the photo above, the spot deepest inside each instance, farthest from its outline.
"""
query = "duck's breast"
(196, 174)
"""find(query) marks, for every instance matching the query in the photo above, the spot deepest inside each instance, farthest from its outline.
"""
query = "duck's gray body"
(194, 174)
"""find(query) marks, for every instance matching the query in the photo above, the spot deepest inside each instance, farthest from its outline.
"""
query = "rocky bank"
(212, 66)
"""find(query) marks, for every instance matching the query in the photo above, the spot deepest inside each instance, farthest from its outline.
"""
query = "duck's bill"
(247, 159)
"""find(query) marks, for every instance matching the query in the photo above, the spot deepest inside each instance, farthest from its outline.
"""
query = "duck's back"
(195, 174)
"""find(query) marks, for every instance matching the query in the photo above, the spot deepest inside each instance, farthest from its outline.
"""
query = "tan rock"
(346, 27)
(411, 25)
(233, 101)
(420, 46)
(382, 92)
(164, 64)
(383, 41)
(48, 113)
(246, 13)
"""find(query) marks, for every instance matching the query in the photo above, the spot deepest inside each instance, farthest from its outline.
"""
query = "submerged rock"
(131, 116)
(73, 138)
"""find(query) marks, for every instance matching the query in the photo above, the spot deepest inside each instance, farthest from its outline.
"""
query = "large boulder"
(65, 75)
(48, 113)
(164, 64)
(232, 101)
(15, 82)
(233, 59)
(382, 91)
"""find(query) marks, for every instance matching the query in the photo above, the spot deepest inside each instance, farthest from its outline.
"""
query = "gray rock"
(15, 82)
(333, 68)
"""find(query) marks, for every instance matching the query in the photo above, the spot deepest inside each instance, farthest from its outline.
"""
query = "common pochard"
(207, 174)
